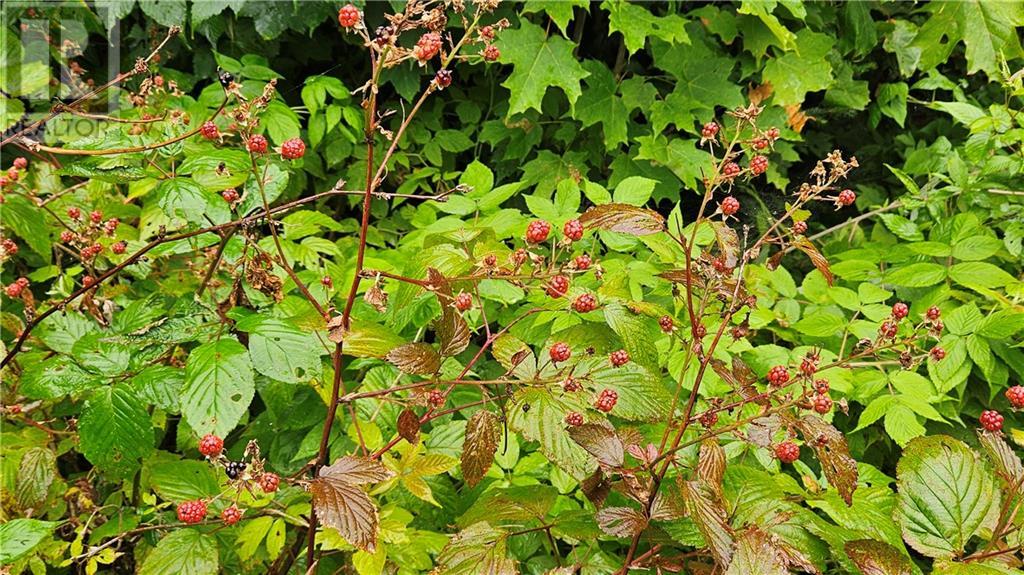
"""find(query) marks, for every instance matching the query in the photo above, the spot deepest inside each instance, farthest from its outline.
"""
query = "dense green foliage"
(159, 308)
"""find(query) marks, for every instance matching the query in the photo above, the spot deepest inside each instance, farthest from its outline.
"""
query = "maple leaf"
(539, 62)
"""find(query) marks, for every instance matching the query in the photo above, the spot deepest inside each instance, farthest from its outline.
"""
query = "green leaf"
(945, 492)
(217, 169)
(638, 333)
(476, 549)
(635, 190)
(599, 103)
(902, 425)
(902, 227)
(636, 24)
(642, 397)
(178, 481)
(18, 537)
(218, 388)
(115, 430)
(183, 551)
(544, 422)
(763, 11)
(892, 101)
(560, 11)
(804, 70)
(539, 62)
(26, 220)
(917, 275)
(281, 351)
(188, 203)
(822, 324)
(686, 161)
(112, 174)
(987, 28)
(973, 248)
(35, 475)
(980, 274)
(702, 83)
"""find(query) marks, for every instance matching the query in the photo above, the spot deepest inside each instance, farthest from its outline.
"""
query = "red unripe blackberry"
(582, 262)
(537, 231)
(574, 419)
(4, 182)
(760, 144)
(570, 385)
(991, 420)
(327, 282)
(558, 286)
(772, 133)
(667, 324)
(719, 265)
(436, 397)
(619, 358)
(606, 400)
(111, 226)
(491, 53)
(847, 197)
(787, 451)
(192, 512)
(490, 260)
(778, 376)
(12, 174)
(709, 418)
(443, 78)
(87, 281)
(14, 290)
(293, 149)
(230, 195)
(257, 144)
(209, 130)
(808, 366)
(22, 281)
(888, 329)
(709, 131)
(937, 327)
(487, 32)
(573, 230)
(729, 206)
(758, 165)
(96, 216)
(560, 352)
(933, 313)
(211, 445)
(67, 236)
(463, 301)
(799, 228)
(822, 403)
(427, 46)
(731, 170)
(74, 213)
(118, 247)
(1016, 396)
(519, 257)
(937, 353)
(269, 482)
(900, 310)
(20, 163)
(10, 248)
(231, 515)
(584, 303)
(14, 409)
(821, 386)
(348, 16)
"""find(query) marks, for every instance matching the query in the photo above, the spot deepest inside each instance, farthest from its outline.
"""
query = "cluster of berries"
(195, 511)
(85, 233)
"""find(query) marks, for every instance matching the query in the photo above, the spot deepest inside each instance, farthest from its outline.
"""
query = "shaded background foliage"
(588, 101)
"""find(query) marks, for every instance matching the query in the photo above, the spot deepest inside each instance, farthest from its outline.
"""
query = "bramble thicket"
(543, 287)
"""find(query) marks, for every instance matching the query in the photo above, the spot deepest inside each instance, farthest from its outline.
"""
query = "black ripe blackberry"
(234, 468)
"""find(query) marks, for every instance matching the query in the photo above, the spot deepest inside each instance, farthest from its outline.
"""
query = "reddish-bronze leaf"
(819, 261)
(477, 549)
(728, 243)
(711, 464)
(623, 218)
(740, 377)
(877, 558)
(1007, 465)
(409, 426)
(342, 504)
(830, 447)
(621, 521)
(596, 488)
(481, 444)
(599, 440)
(452, 331)
(708, 512)
(356, 470)
(756, 553)
(417, 358)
